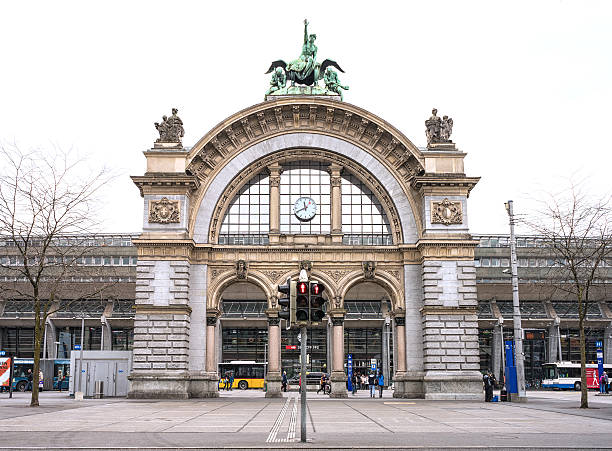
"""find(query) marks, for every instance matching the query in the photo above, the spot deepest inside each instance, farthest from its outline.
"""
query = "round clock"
(305, 208)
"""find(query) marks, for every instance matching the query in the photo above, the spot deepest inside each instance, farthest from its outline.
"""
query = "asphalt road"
(246, 420)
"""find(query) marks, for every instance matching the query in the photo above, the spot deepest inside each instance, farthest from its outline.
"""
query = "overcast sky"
(528, 84)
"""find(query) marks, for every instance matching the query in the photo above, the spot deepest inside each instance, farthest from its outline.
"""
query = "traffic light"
(301, 303)
(317, 302)
(287, 303)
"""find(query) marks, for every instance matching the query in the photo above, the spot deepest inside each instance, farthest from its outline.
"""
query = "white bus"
(566, 375)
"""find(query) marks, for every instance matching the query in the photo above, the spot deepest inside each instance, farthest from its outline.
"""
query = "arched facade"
(421, 256)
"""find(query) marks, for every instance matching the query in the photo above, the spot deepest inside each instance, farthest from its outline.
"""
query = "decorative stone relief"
(274, 301)
(446, 212)
(337, 302)
(369, 269)
(273, 321)
(337, 274)
(164, 211)
(170, 129)
(337, 321)
(211, 320)
(273, 275)
(241, 269)
(215, 272)
(395, 274)
(306, 264)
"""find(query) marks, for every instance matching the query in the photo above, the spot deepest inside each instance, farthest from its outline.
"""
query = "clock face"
(305, 208)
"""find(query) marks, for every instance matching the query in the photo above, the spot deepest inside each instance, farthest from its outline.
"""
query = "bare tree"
(47, 205)
(577, 233)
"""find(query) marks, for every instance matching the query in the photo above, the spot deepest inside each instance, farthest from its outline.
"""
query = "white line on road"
(278, 422)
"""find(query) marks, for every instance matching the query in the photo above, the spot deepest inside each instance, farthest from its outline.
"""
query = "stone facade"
(427, 273)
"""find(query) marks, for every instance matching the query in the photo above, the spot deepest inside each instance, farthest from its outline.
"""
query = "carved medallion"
(164, 211)
(446, 212)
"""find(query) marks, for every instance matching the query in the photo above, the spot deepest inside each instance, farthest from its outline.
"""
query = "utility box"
(111, 368)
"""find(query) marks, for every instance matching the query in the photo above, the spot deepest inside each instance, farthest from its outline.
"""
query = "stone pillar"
(553, 343)
(410, 383)
(51, 338)
(273, 376)
(338, 378)
(161, 330)
(400, 360)
(336, 202)
(211, 348)
(450, 330)
(107, 335)
(329, 345)
(275, 172)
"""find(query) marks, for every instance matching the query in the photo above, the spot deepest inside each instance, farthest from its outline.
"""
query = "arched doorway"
(368, 329)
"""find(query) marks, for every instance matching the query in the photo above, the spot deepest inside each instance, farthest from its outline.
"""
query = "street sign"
(2, 353)
(598, 344)
(291, 347)
(373, 365)
(77, 347)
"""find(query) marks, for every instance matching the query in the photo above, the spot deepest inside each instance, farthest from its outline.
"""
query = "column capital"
(400, 320)
(212, 315)
(211, 321)
(335, 169)
(338, 321)
(273, 321)
(275, 169)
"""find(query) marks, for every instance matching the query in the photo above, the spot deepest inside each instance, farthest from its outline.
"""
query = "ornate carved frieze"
(446, 212)
(164, 211)
(396, 274)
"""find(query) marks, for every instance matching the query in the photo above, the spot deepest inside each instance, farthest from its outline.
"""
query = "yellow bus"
(247, 374)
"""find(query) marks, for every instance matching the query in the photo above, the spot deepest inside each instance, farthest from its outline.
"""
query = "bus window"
(258, 372)
(549, 372)
(564, 372)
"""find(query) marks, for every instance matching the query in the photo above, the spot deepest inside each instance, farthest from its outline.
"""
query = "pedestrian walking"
(231, 380)
(607, 380)
(30, 379)
(372, 385)
(322, 384)
(354, 381)
(60, 380)
(381, 384)
(284, 381)
(602, 383)
(226, 381)
(364, 381)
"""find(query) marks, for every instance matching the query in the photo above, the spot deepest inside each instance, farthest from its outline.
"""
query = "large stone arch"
(315, 154)
(226, 279)
(381, 278)
(405, 205)
(272, 126)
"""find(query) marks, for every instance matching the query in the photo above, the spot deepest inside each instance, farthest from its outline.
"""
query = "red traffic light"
(302, 288)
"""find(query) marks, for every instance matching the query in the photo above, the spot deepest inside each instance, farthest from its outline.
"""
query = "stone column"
(410, 383)
(275, 172)
(336, 202)
(400, 359)
(338, 378)
(273, 376)
(211, 348)
(553, 343)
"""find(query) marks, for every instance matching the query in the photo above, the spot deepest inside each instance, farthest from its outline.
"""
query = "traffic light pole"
(303, 341)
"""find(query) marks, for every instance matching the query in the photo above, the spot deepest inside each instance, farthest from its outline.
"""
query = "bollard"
(99, 390)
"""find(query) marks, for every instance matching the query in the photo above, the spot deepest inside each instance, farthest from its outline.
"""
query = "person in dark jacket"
(372, 385)
(30, 379)
(381, 384)
(354, 383)
(487, 381)
(284, 381)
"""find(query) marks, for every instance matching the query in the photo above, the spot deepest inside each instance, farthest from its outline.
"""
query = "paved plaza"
(245, 419)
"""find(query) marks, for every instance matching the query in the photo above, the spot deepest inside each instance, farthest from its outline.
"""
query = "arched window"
(305, 179)
(364, 221)
(247, 220)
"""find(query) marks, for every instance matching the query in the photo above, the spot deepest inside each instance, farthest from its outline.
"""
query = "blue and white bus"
(566, 375)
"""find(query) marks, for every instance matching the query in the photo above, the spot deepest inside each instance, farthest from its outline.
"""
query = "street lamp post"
(521, 396)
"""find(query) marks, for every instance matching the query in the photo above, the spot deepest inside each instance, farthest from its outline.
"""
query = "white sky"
(528, 84)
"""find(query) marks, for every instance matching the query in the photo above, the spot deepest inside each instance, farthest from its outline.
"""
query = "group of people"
(228, 380)
(369, 382)
(604, 383)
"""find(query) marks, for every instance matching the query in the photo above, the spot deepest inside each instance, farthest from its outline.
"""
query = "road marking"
(292, 421)
(277, 424)
(399, 402)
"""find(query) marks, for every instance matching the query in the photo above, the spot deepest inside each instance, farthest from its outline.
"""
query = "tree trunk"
(584, 396)
(38, 338)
